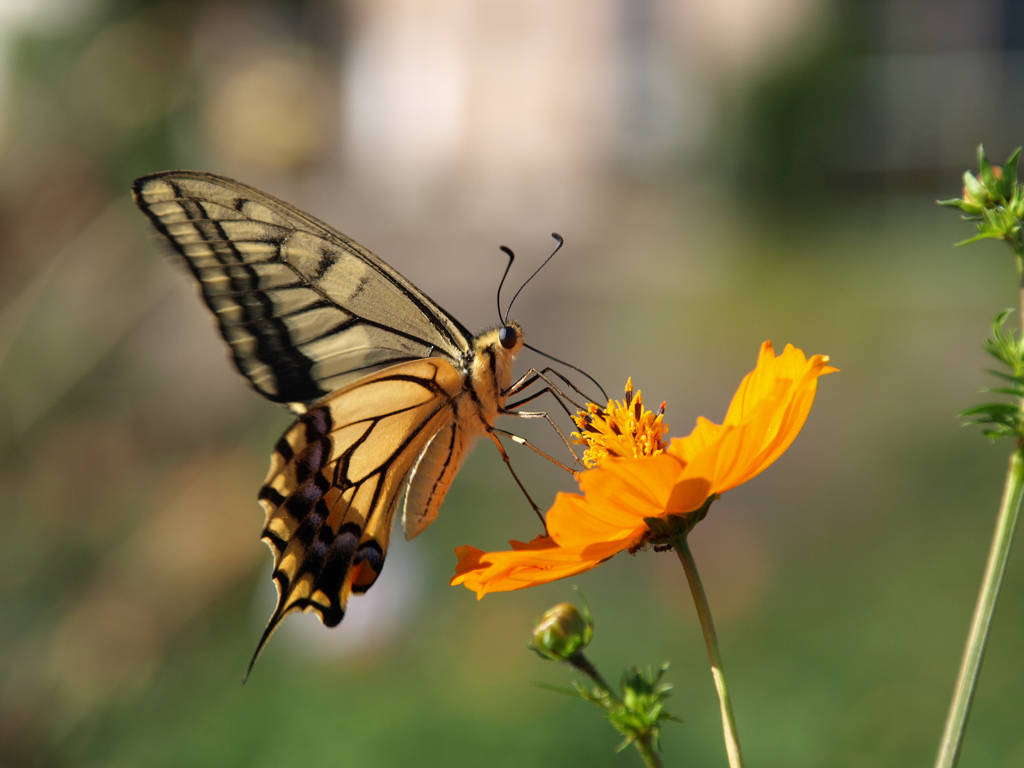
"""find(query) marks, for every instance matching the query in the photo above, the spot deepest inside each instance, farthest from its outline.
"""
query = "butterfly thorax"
(489, 368)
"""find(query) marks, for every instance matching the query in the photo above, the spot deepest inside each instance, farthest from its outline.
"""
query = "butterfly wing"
(335, 479)
(304, 309)
(432, 475)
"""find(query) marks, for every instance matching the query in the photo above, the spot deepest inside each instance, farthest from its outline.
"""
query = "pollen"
(621, 429)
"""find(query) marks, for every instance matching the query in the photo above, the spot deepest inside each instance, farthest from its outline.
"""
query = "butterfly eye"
(508, 337)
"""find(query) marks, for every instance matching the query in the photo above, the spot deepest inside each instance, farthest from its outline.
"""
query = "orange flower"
(644, 493)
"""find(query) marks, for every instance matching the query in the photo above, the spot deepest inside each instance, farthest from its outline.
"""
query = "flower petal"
(618, 495)
(765, 416)
(527, 565)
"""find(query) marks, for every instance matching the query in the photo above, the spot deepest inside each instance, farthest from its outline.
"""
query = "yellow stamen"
(622, 429)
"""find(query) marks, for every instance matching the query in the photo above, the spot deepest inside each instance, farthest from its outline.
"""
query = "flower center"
(621, 429)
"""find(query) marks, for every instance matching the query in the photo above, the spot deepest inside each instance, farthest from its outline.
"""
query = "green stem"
(582, 663)
(974, 653)
(647, 752)
(1018, 251)
(700, 600)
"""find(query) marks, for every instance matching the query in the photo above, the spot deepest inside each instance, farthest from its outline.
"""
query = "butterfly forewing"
(305, 309)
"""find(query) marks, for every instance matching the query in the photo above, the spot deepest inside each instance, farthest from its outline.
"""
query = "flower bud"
(562, 632)
(974, 191)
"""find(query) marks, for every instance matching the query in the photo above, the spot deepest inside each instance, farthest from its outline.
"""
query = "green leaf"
(1011, 391)
(1010, 174)
(993, 410)
(982, 236)
(557, 689)
(988, 177)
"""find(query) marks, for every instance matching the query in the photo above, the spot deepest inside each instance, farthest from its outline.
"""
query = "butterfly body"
(390, 390)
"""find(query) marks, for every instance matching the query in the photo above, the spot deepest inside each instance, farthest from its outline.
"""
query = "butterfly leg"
(533, 375)
(510, 411)
(545, 390)
(523, 441)
(504, 457)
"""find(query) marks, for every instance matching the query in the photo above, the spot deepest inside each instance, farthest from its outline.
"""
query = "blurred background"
(723, 173)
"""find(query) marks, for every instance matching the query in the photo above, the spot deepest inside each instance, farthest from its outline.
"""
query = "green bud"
(994, 200)
(643, 705)
(974, 191)
(562, 632)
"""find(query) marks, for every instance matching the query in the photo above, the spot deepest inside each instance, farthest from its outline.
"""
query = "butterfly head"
(491, 360)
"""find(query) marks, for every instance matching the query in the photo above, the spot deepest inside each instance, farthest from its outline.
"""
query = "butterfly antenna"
(559, 240)
(570, 365)
(511, 257)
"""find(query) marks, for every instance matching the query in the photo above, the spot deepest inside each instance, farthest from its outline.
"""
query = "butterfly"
(390, 390)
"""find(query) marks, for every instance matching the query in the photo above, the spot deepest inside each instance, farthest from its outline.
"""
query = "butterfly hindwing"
(431, 476)
(304, 309)
(335, 479)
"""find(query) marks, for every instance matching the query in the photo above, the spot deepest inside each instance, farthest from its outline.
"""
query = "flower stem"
(970, 666)
(700, 600)
(582, 663)
(1019, 253)
(647, 752)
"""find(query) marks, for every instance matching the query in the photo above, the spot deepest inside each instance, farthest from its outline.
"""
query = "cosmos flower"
(643, 492)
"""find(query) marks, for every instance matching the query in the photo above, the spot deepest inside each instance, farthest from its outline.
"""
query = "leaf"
(1010, 174)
